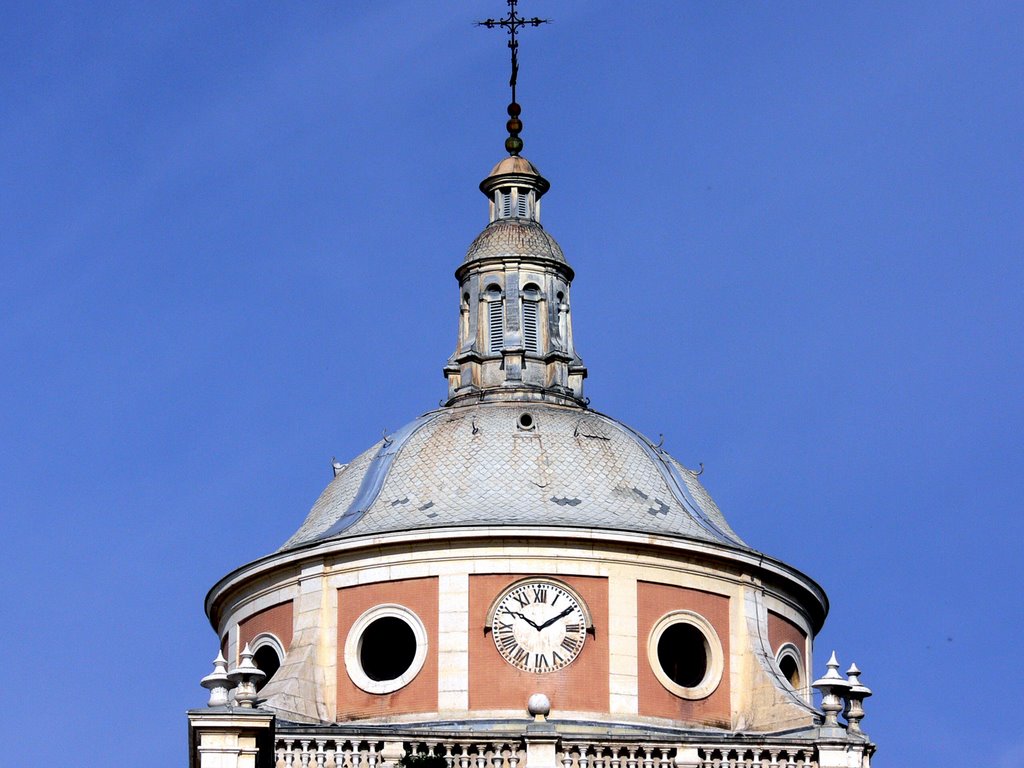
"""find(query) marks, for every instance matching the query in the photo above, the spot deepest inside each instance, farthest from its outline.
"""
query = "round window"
(268, 653)
(268, 661)
(788, 659)
(686, 655)
(386, 648)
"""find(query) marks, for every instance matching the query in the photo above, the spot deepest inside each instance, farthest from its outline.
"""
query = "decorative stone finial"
(855, 698)
(245, 676)
(832, 686)
(539, 706)
(218, 682)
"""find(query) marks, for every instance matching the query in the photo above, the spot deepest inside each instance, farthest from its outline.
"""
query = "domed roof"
(514, 164)
(520, 464)
(514, 238)
(516, 171)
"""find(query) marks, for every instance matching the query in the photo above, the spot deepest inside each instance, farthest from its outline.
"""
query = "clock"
(539, 626)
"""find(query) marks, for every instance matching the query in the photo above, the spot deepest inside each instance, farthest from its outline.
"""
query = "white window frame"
(788, 650)
(712, 647)
(353, 648)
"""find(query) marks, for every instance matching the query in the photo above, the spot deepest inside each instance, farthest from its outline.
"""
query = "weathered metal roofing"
(514, 238)
(516, 164)
(476, 465)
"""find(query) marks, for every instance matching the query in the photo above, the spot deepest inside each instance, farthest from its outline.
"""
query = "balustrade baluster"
(583, 760)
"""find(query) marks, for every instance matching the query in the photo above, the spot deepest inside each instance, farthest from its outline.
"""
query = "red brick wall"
(781, 631)
(420, 695)
(653, 602)
(496, 684)
(277, 620)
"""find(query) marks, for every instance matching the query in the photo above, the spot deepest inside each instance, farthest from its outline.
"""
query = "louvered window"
(505, 203)
(531, 335)
(522, 201)
(495, 326)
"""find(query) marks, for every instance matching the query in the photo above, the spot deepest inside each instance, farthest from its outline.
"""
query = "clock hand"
(552, 620)
(524, 618)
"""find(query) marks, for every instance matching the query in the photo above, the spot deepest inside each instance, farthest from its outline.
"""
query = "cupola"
(515, 187)
(515, 336)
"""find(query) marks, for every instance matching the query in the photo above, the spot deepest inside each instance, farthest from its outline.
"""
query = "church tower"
(517, 580)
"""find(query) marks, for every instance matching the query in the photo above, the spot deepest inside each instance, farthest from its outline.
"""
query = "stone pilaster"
(230, 738)
(622, 645)
(453, 643)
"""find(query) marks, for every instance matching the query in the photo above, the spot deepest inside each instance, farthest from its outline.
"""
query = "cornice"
(810, 595)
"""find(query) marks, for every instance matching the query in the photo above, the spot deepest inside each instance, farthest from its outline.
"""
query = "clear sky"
(228, 233)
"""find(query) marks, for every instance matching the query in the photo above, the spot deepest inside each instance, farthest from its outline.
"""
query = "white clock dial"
(539, 626)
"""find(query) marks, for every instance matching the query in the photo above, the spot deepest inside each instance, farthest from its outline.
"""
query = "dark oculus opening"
(790, 670)
(683, 655)
(387, 649)
(267, 660)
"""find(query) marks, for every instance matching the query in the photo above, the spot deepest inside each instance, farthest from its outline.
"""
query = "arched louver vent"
(531, 335)
(495, 326)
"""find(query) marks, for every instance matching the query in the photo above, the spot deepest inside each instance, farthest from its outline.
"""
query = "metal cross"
(512, 23)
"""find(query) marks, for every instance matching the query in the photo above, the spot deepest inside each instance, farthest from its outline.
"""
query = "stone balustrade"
(304, 752)
(328, 753)
(758, 757)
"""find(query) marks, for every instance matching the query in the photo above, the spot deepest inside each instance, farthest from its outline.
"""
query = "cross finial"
(512, 23)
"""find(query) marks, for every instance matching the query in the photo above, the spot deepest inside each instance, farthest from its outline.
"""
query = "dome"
(515, 238)
(521, 464)
(514, 164)
(515, 170)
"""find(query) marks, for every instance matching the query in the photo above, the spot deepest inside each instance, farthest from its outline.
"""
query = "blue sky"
(228, 236)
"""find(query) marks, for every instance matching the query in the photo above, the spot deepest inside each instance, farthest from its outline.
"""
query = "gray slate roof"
(473, 465)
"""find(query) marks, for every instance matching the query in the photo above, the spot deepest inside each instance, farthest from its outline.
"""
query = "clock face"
(539, 626)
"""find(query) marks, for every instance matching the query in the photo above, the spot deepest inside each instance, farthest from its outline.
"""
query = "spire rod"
(512, 24)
